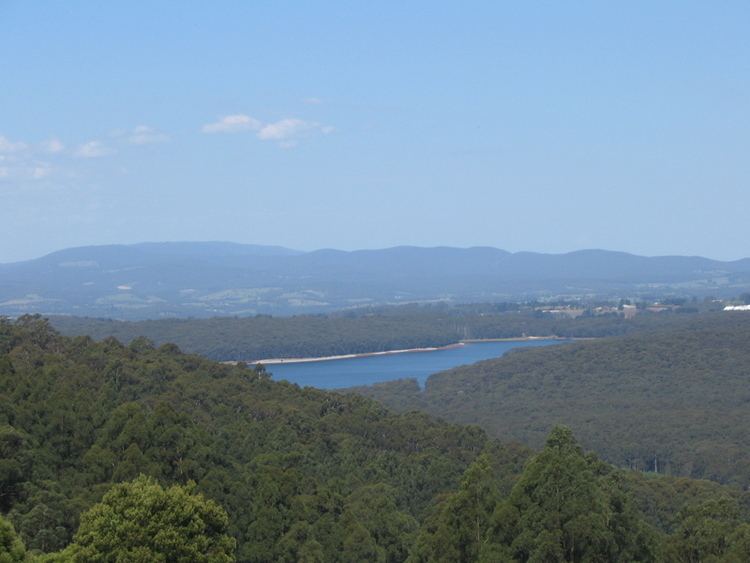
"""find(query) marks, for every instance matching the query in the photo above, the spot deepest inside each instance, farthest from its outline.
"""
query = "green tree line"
(296, 469)
(261, 337)
(564, 507)
(141, 453)
(672, 400)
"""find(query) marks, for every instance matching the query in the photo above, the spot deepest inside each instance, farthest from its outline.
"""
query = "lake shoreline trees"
(365, 331)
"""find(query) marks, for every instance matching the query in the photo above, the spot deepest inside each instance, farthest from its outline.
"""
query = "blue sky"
(547, 126)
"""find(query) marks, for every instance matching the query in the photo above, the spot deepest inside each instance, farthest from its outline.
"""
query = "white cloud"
(145, 135)
(233, 124)
(41, 171)
(312, 101)
(53, 146)
(18, 161)
(283, 129)
(8, 146)
(36, 170)
(287, 132)
(93, 149)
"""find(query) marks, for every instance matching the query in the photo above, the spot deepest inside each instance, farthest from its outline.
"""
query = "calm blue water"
(332, 374)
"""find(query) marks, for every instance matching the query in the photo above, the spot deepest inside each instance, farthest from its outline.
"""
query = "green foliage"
(669, 401)
(460, 530)
(564, 507)
(711, 531)
(374, 509)
(300, 472)
(14, 463)
(303, 475)
(569, 507)
(11, 546)
(390, 328)
(141, 521)
(661, 498)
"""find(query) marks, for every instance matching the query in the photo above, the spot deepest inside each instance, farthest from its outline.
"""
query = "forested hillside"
(673, 401)
(253, 338)
(567, 506)
(217, 463)
(286, 463)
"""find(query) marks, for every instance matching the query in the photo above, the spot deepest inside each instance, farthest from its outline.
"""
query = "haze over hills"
(202, 279)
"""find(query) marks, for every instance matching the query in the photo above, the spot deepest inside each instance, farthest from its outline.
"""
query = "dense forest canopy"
(261, 337)
(287, 464)
(220, 460)
(673, 401)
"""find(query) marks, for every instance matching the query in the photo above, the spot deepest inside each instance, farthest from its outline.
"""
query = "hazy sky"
(547, 126)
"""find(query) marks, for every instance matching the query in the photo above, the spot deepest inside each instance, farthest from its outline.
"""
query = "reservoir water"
(366, 370)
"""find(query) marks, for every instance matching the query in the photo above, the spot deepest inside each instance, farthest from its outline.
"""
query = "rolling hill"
(671, 401)
(302, 474)
(154, 280)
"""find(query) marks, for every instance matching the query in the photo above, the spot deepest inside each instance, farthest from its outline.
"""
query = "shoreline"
(528, 338)
(460, 343)
(276, 361)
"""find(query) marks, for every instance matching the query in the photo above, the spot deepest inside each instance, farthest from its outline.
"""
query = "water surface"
(333, 374)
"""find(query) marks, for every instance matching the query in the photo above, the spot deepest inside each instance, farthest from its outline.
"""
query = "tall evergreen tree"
(461, 529)
(567, 507)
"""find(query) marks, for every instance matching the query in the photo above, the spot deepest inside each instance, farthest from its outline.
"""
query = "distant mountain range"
(200, 279)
